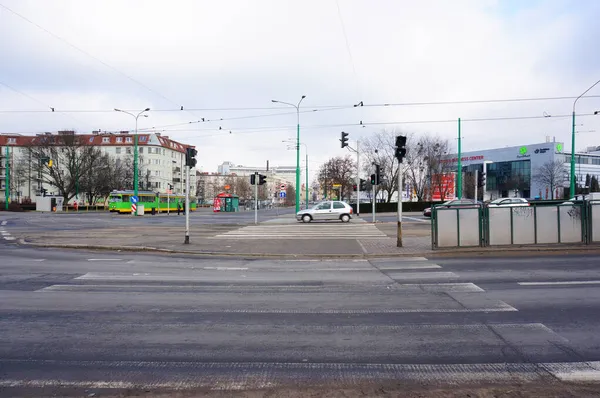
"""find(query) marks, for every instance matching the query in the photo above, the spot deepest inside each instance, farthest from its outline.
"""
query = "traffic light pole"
(374, 201)
(399, 231)
(476, 183)
(187, 205)
(357, 180)
(256, 178)
(7, 180)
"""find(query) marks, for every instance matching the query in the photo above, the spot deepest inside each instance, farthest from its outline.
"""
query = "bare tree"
(338, 170)
(379, 149)
(551, 175)
(425, 161)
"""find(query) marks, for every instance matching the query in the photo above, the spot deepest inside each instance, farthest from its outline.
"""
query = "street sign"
(282, 187)
(169, 192)
(337, 185)
(282, 194)
(227, 187)
(133, 199)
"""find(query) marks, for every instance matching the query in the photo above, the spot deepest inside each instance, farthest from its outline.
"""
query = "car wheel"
(345, 218)
(306, 218)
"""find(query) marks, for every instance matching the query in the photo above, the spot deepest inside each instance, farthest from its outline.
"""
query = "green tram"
(120, 201)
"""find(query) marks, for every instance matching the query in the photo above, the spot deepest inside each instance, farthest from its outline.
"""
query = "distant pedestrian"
(178, 208)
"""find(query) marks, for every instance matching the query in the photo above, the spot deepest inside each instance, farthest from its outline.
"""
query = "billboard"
(442, 187)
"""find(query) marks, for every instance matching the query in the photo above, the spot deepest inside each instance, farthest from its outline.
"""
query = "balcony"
(176, 179)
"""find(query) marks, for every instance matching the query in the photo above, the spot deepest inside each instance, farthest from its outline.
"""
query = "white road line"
(447, 287)
(226, 268)
(407, 266)
(561, 283)
(415, 219)
(3, 223)
(422, 275)
(4, 232)
(105, 259)
(9, 238)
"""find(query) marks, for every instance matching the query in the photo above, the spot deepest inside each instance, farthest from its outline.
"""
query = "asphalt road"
(81, 323)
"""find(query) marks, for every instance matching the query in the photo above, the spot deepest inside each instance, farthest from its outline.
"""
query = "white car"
(327, 210)
(508, 202)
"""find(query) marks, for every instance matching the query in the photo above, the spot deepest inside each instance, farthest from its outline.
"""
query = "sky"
(225, 61)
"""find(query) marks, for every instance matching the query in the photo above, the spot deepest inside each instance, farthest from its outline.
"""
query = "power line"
(50, 109)
(348, 48)
(88, 54)
(325, 107)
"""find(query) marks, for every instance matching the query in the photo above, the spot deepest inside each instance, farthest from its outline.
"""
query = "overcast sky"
(214, 56)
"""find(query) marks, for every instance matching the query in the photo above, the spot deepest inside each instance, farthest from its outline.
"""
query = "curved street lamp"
(572, 190)
(135, 148)
(297, 148)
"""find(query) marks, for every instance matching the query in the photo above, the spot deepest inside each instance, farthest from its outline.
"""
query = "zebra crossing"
(305, 231)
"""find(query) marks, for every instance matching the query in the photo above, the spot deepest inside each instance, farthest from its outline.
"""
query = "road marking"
(3, 223)
(407, 266)
(9, 238)
(422, 275)
(446, 287)
(226, 268)
(4, 232)
(415, 219)
(561, 283)
(105, 259)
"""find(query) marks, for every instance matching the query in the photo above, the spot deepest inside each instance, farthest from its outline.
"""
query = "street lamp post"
(297, 148)
(572, 190)
(306, 171)
(135, 149)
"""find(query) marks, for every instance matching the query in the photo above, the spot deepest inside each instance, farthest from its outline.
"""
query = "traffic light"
(253, 179)
(50, 162)
(190, 157)
(363, 185)
(344, 139)
(400, 151)
(373, 179)
(378, 172)
(354, 187)
(262, 179)
(480, 180)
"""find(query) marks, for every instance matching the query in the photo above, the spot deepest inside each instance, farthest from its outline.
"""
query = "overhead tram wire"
(93, 57)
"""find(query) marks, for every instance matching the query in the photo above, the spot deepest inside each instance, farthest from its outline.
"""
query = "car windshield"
(322, 205)
(496, 201)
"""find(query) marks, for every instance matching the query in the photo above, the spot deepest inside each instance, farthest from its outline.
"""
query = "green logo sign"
(559, 147)
(523, 150)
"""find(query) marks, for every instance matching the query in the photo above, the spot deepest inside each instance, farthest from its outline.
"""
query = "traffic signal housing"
(480, 180)
(373, 179)
(344, 139)
(190, 157)
(363, 185)
(252, 179)
(262, 179)
(378, 172)
(354, 187)
(400, 150)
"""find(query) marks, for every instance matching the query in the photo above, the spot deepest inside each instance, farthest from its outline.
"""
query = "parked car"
(453, 203)
(508, 202)
(327, 210)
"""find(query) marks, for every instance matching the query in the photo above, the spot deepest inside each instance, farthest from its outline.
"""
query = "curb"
(525, 251)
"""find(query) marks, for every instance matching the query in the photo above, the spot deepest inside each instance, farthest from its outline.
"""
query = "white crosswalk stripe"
(305, 231)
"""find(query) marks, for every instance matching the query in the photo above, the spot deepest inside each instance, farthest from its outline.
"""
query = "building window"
(119, 139)
(127, 139)
(117, 151)
(105, 140)
(141, 150)
(128, 150)
(12, 140)
(143, 138)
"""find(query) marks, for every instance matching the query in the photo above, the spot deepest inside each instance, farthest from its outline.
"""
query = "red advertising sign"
(442, 187)
(217, 205)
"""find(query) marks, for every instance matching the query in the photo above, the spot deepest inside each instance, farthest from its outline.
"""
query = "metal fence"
(561, 223)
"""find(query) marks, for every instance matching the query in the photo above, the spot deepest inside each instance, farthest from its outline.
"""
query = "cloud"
(232, 54)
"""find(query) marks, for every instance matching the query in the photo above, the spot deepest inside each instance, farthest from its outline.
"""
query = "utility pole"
(476, 183)
(7, 180)
(357, 180)
(187, 205)
(256, 197)
(459, 174)
(400, 153)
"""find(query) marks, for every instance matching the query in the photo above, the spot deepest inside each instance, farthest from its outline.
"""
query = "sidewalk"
(204, 241)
